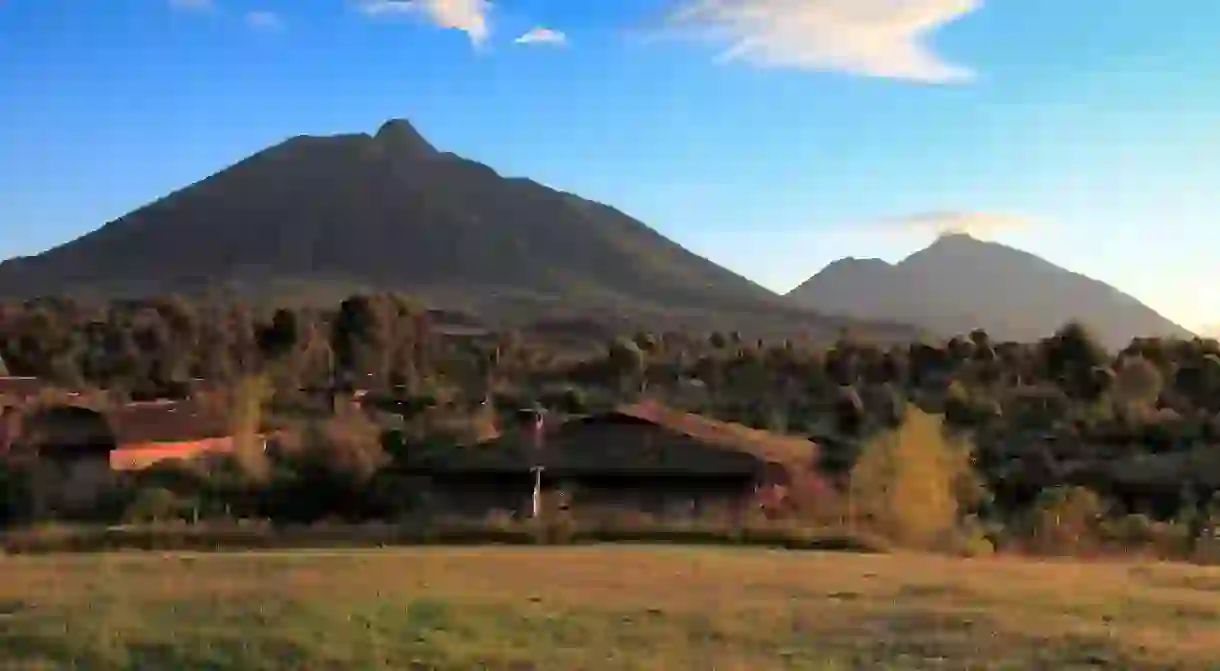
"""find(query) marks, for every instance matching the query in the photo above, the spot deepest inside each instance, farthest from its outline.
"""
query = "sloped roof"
(165, 422)
(62, 431)
(692, 445)
(769, 446)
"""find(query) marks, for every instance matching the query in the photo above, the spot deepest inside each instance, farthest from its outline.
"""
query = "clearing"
(606, 607)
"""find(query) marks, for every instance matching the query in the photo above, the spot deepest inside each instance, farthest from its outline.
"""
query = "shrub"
(346, 447)
(231, 536)
(977, 545)
(1066, 519)
(155, 504)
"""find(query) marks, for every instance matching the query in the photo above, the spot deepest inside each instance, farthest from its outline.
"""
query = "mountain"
(960, 283)
(319, 217)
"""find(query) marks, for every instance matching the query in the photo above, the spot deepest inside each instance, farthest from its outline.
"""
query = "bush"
(1066, 520)
(156, 504)
(974, 539)
(346, 447)
(238, 536)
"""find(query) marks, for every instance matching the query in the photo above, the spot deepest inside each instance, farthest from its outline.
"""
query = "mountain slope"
(960, 283)
(389, 211)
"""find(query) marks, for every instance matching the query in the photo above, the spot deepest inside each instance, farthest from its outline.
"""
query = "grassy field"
(600, 608)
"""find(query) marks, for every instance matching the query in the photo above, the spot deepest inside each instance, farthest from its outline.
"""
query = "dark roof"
(62, 431)
(692, 445)
(165, 422)
(768, 446)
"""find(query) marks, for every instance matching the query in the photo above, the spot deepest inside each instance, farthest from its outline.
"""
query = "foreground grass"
(600, 608)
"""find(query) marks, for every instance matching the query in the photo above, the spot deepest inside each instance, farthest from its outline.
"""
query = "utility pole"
(535, 428)
(536, 505)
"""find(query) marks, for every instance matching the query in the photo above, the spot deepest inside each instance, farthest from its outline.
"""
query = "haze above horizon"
(772, 136)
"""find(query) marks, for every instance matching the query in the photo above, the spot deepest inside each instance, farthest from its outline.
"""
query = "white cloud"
(876, 38)
(192, 5)
(386, 7)
(469, 16)
(264, 20)
(978, 224)
(540, 35)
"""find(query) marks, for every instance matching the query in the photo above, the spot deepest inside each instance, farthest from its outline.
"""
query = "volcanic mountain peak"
(318, 215)
(401, 138)
(960, 282)
(853, 262)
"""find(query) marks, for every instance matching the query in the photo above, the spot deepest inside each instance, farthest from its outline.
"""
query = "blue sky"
(771, 136)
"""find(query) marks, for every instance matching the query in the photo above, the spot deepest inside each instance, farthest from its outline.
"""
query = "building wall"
(662, 497)
(68, 487)
(84, 481)
(626, 465)
(477, 497)
(666, 498)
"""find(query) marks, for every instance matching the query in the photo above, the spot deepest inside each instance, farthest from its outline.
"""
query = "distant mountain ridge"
(960, 283)
(340, 213)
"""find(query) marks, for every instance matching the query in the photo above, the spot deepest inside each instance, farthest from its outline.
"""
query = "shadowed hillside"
(316, 218)
(960, 283)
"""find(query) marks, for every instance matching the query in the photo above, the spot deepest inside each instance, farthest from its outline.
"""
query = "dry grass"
(601, 608)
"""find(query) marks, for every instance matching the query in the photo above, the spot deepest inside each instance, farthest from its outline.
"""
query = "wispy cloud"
(540, 35)
(261, 19)
(978, 224)
(469, 16)
(876, 38)
(192, 5)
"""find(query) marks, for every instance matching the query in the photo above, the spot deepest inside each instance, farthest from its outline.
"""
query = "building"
(66, 452)
(133, 436)
(146, 433)
(644, 457)
(71, 453)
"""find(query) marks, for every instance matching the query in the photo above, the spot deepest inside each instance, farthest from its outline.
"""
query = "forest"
(1118, 448)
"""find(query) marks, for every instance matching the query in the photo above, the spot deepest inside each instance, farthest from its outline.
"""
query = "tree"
(281, 336)
(907, 482)
(842, 364)
(248, 398)
(647, 342)
(361, 337)
(1104, 381)
(1138, 381)
(346, 449)
(960, 349)
(627, 362)
(1069, 357)
(980, 338)
(926, 362)
(849, 412)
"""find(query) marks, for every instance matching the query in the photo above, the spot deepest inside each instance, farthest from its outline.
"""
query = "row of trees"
(1059, 412)
(155, 347)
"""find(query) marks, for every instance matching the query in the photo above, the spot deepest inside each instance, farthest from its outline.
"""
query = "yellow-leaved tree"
(911, 483)
(248, 399)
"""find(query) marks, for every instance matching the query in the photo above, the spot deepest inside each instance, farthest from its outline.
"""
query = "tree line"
(1042, 418)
